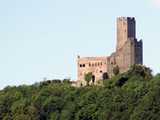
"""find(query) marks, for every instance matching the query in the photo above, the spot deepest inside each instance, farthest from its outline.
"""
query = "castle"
(129, 51)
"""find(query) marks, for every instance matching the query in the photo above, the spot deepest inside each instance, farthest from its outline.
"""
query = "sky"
(42, 38)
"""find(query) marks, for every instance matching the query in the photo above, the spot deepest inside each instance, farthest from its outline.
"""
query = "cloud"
(156, 3)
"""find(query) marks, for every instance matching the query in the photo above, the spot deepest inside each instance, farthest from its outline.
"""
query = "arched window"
(93, 78)
(105, 76)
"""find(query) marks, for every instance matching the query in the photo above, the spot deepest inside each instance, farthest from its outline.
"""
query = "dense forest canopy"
(134, 95)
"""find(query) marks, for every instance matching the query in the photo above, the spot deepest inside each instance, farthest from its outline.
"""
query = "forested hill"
(134, 95)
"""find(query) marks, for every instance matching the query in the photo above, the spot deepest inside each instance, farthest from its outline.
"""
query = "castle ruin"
(129, 51)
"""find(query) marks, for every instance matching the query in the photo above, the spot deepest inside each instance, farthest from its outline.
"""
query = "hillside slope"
(134, 95)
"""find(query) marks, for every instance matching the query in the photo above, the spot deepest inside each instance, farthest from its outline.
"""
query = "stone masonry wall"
(129, 51)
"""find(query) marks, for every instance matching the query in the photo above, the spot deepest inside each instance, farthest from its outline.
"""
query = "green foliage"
(142, 71)
(134, 95)
(88, 78)
(116, 70)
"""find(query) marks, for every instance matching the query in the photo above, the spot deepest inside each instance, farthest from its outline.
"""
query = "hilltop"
(134, 95)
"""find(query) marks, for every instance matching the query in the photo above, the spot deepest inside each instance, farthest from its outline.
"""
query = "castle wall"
(131, 53)
(139, 52)
(123, 58)
(128, 52)
(96, 65)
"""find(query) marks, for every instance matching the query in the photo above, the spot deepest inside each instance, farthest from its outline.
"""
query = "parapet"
(92, 58)
(126, 18)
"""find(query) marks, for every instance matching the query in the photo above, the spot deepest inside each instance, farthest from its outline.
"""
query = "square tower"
(126, 28)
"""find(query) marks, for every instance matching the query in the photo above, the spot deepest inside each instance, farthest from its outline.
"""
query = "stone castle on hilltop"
(129, 51)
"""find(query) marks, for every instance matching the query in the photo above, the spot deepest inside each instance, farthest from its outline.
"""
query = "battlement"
(91, 58)
(126, 18)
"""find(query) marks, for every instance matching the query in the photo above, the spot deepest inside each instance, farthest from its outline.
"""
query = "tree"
(133, 95)
(141, 70)
(88, 77)
(116, 70)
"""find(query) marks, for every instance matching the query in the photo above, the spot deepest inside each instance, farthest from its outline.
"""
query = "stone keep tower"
(129, 51)
(126, 28)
